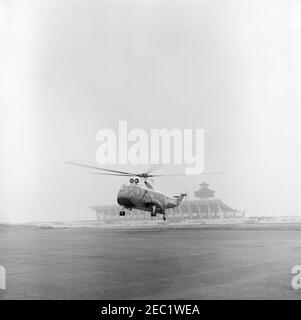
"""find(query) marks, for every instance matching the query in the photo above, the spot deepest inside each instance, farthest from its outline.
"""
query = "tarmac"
(215, 262)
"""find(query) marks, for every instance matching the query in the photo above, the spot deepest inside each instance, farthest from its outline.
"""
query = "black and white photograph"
(150, 150)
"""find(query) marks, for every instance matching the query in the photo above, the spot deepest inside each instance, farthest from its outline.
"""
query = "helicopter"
(139, 193)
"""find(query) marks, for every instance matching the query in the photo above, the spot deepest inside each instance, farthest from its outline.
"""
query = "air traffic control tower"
(204, 206)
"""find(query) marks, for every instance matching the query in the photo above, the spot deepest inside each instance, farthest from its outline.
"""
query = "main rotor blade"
(98, 168)
(166, 175)
(112, 174)
(183, 174)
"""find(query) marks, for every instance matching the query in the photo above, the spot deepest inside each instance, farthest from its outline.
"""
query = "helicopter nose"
(123, 198)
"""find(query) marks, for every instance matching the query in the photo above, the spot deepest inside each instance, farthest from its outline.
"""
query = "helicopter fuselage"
(139, 196)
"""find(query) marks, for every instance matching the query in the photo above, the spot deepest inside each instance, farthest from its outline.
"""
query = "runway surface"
(207, 263)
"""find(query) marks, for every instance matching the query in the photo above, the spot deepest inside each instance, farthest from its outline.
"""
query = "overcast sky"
(72, 67)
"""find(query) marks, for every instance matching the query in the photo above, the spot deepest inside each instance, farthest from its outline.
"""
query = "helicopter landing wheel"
(153, 212)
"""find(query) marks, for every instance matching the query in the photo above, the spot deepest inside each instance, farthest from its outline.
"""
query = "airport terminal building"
(204, 206)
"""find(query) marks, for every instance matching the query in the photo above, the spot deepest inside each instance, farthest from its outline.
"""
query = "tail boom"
(173, 202)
